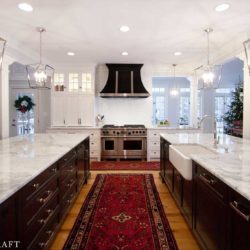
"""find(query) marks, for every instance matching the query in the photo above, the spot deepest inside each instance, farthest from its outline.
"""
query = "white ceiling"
(158, 28)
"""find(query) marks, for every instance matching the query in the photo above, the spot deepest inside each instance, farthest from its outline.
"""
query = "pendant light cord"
(208, 48)
(41, 46)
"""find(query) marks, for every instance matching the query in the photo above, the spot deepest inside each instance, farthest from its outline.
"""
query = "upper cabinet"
(72, 98)
(74, 82)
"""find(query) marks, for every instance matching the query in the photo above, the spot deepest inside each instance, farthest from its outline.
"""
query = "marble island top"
(233, 168)
(22, 158)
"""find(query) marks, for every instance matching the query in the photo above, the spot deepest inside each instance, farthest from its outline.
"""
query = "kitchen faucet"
(216, 140)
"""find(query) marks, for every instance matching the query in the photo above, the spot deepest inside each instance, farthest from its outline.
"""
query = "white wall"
(124, 110)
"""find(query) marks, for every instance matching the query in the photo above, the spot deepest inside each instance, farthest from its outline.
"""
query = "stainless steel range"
(124, 142)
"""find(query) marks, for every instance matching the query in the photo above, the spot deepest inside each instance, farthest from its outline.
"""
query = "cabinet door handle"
(207, 179)
(235, 206)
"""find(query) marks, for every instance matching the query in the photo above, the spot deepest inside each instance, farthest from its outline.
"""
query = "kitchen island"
(40, 176)
(215, 197)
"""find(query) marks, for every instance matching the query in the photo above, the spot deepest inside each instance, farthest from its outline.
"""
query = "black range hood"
(124, 81)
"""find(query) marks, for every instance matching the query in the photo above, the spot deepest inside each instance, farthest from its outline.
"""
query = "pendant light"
(2, 48)
(210, 74)
(174, 91)
(246, 45)
(40, 75)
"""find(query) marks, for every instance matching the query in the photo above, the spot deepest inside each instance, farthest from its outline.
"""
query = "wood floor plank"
(182, 234)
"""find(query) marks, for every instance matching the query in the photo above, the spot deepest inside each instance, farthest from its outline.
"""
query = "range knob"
(129, 133)
(118, 133)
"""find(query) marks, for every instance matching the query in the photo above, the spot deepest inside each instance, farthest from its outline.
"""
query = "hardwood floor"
(182, 234)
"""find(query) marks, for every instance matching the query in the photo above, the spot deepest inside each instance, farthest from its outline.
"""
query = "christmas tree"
(234, 116)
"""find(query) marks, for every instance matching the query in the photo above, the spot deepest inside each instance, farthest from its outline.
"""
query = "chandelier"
(174, 91)
(246, 45)
(40, 75)
(2, 45)
(209, 75)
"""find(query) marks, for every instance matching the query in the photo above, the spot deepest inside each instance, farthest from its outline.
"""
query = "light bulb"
(208, 78)
(40, 76)
(174, 92)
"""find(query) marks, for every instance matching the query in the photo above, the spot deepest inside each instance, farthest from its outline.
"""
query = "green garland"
(24, 104)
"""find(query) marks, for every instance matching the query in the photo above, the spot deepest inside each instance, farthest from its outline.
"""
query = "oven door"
(109, 147)
(132, 147)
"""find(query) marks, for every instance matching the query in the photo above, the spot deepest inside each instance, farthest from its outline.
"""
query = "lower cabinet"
(239, 237)
(178, 187)
(33, 215)
(210, 210)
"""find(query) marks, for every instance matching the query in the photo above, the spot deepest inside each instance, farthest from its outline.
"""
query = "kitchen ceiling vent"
(124, 81)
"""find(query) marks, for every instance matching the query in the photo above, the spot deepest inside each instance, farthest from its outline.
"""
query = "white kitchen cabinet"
(72, 109)
(58, 110)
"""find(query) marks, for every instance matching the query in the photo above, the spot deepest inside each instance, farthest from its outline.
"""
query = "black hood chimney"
(124, 81)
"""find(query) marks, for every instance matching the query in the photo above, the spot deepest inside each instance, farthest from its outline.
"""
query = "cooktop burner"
(124, 126)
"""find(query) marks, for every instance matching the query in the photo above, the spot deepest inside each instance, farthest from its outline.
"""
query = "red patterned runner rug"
(122, 211)
(125, 165)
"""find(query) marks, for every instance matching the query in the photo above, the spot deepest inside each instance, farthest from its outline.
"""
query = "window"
(58, 79)
(86, 82)
(73, 81)
(184, 110)
(160, 108)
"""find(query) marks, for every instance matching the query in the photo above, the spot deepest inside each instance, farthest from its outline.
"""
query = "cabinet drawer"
(67, 170)
(42, 219)
(40, 200)
(154, 134)
(35, 186)
(154, 143)
(216, 185)
(68, 183)
(66, 158)
(43, 240)
(154, 153)
(68, 199)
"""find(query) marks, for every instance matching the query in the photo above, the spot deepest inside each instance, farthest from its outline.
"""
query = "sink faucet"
(216, 140)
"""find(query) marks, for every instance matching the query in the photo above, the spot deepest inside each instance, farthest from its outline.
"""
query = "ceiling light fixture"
(211, 74)
(40, 75)
(25, 7)
(125, 53)
(2, 48)
(178, 53)
(174, 91)
(70, 53)
(124, 28)
(222, 7)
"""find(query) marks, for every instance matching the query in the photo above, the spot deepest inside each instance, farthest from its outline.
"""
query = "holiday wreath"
(24, 104)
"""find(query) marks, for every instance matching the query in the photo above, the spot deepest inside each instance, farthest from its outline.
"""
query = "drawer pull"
(155, 134)
(44, 221)
(49, 232)
(36, 185)
(155, 143)
(49, 211)
(71, 199)
(70, 183)
(44, 200)
(92, 143)
(207, 179)
(236, 207)
(54, 170)
(41, 221)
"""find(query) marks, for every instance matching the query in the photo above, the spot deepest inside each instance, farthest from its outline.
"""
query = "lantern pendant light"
(40, 75)
(211, 74)
(174, 91)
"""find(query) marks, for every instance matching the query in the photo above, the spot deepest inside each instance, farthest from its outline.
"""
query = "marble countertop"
(233, 168)
(73, 128)
(22, 158)
(173, 128)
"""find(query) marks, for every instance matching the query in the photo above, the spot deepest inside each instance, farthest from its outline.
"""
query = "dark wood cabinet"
(178, 187)
(187, 201)
(239, 237)
(166, 168)
(9, 221)
(210, 209)
(34, 214)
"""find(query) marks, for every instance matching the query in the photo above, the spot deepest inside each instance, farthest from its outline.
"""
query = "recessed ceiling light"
(222, 7)
(124, 28)
(70, 53)
(124, 53)
(178, 53)
(25, 7)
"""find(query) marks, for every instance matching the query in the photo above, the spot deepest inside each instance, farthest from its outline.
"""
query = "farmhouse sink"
(179, 156)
